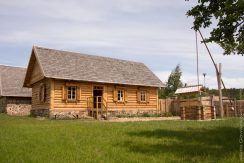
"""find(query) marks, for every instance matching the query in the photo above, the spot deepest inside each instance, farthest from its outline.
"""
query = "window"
(42, 93)
(120, 95)
(143, 96)
(71, 94)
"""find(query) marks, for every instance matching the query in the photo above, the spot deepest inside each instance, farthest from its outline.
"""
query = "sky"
(157, 33)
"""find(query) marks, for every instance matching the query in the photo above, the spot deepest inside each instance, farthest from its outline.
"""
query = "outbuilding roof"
(11, 82)
(189, 89)
(58, 64)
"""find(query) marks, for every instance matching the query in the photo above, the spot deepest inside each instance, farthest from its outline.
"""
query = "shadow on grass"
(189, 144)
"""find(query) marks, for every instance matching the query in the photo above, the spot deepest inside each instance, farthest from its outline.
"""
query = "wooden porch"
(97, 107)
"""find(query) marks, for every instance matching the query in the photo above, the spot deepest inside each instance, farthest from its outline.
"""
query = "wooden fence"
(169, 105)
(233, 108)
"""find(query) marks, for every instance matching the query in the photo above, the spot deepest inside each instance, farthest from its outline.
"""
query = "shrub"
(168, 114)
(146, 115)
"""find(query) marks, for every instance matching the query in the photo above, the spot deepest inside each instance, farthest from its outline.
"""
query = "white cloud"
(154, 32)
(211, 81)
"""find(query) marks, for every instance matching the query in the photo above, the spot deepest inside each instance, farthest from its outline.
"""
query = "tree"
(232, 93)
(173, 82)
(229, 15)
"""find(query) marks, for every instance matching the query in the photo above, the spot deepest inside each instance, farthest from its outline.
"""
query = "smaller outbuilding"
(193, 106)
(14, 99)
(189, 90)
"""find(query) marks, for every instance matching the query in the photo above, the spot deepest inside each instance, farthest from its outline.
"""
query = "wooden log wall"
(86, 91)
(36, 103)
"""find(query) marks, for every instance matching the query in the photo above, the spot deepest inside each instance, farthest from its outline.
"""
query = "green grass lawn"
(25, 139)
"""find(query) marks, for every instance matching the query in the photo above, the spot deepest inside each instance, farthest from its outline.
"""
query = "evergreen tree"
(174, 82)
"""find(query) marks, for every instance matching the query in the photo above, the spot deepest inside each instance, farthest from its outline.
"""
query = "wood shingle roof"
(66, 65)
(11, 82)
(189, 89)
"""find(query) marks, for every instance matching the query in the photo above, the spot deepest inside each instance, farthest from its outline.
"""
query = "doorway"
(97, 97)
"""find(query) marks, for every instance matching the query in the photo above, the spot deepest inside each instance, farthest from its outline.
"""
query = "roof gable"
(11, 82)
(59, 64)
(34, 71)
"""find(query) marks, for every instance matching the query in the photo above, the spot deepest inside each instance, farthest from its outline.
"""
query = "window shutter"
(126, 95)
(40, 93)
(115, 95)
(147, 96)
(44, 93)
(138, 96)
(64, 93)
(78, 93)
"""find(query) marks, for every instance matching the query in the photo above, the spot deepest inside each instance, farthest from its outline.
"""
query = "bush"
(168, 114)
(146, 115)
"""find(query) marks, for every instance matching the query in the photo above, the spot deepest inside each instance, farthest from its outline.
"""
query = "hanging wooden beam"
(215, 65)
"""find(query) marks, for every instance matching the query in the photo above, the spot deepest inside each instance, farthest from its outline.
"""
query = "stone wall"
(18, 109)
(19, 106)
(40, 112)
(131, 113)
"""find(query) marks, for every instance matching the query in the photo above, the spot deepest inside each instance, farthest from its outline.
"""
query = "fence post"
(214, 112)
(235, 108)
(202, 111)
(97, 107)
(198, 112)
(183, 113)
(227, 109)
(165, 109)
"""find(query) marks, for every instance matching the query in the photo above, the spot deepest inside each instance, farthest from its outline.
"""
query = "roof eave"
(106, 82)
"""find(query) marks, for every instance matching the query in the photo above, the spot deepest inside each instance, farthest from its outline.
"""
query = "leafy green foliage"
(174, 82)
(232, 93)
(229, 14)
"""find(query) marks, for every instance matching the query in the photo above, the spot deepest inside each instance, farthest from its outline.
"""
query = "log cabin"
(14, 99)
(73, 85)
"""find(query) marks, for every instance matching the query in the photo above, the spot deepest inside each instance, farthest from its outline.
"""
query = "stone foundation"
(40, 112)
(18, 109)
(68, 114)
(86, 114)
(130, 113)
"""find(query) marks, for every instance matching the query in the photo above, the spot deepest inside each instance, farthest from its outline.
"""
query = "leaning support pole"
(218, 72)
(215, 65)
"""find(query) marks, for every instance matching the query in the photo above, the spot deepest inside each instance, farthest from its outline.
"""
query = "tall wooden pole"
(197, 64)
(219, 73)
(240, 112)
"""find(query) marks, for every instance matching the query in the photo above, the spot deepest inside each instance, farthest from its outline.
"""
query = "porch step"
(100, 117)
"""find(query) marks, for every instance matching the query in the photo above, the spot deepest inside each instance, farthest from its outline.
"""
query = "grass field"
(25, 139)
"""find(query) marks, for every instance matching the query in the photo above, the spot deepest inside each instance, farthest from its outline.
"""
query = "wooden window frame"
(143, 93)
(139, 96)
(70, 93)
(42, 93)
(121, 94)
(125, 94)
(65, 92)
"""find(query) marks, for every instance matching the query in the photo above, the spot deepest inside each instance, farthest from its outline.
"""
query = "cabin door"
(97, 97)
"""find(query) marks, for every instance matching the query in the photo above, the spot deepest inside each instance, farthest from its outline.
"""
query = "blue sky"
(155, 32)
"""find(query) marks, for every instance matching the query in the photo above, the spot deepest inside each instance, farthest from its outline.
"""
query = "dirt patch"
(135, 119)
